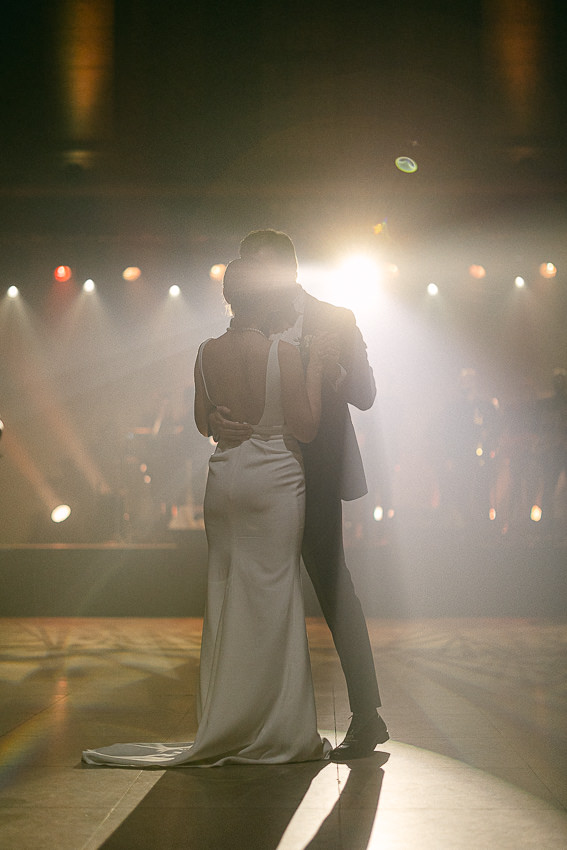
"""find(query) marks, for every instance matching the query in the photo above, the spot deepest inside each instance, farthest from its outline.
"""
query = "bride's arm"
(203, 407)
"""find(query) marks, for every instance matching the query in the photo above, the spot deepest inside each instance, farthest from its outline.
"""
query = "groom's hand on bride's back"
(224, 429)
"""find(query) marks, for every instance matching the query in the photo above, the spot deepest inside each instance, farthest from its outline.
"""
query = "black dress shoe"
(362, 736)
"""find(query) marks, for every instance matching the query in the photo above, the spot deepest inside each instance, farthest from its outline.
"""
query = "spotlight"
(519, 282)
(62, 274)
(433, 289)
(536, 513)
(131, 273)
(547, 270)
(378, 513)
(89, 285)
(60, 513)
(13, 292)
(217, 271)
(478, 272)
(174, 291)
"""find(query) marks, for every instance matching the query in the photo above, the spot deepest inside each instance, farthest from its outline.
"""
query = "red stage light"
(62, 274)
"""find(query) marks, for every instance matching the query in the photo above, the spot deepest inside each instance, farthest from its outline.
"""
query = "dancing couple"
(274, 392)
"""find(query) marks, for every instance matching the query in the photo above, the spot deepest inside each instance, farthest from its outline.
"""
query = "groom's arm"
(222, 428)
(356, 385)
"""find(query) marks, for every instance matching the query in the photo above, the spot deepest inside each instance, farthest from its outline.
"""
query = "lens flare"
(406, 164)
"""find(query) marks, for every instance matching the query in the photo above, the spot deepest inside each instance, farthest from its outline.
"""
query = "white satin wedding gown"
(255, 702)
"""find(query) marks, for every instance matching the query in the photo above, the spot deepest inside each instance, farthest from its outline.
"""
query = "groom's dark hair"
(275, 241)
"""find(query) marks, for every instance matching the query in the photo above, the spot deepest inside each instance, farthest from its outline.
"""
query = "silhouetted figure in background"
(519, 474)
(467, 444)
(552, 444)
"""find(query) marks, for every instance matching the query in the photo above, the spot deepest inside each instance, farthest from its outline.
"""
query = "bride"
(255, 702)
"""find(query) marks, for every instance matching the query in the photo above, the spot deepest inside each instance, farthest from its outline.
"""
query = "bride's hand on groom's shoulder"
(226, 430)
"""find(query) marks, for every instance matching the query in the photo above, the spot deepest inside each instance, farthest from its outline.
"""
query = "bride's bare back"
(235, 371)
(235, 367)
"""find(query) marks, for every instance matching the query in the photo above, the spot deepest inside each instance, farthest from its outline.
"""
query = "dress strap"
(200, 360)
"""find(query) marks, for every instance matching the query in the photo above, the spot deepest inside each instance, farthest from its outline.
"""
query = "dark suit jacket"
(332, 459)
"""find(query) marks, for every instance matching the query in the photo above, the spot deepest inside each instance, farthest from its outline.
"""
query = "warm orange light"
(536, 513)
(62, 274)
(492, 513)
(478, 272)
(131, 273)
(547, 270)
(217, 271)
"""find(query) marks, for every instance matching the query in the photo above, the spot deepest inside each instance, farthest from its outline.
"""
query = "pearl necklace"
(241, 330)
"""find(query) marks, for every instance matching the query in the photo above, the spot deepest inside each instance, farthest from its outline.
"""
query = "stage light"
(174, 291)
(519, 282)
(478, 272)
(378, 513)
(89, 285)
(536, 513)
(13, 292)
(547, 270)
(60, 513)
(492, 514)
(131, 273)
(217, 271)
(432, 289)
(1, 428)
(62, 274)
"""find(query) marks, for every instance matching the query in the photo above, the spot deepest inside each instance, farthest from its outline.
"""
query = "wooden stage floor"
(477, 710)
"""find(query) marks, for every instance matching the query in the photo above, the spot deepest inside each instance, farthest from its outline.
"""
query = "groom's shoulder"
(329, 313)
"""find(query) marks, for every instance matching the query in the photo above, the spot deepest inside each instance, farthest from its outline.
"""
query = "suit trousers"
(324, 558)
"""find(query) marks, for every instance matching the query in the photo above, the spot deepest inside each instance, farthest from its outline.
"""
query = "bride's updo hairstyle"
(251, 286)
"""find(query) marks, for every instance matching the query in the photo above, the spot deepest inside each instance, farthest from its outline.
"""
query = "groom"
(333, 471)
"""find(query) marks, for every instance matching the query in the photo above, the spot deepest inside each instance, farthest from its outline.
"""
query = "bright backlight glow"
(13, 292)
(174, 291)
(519, 282)
(89, 285)
(433, 289)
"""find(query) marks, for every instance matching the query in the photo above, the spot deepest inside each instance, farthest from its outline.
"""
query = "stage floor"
(477, 710)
